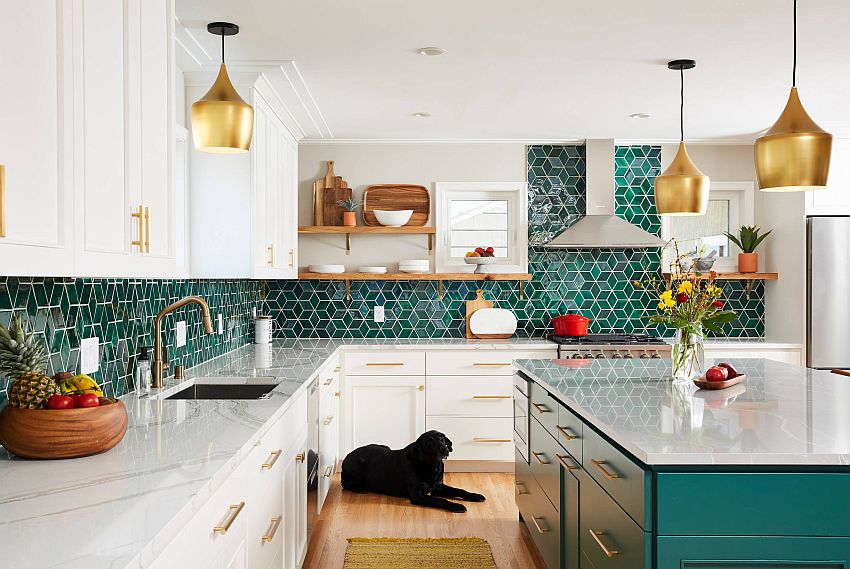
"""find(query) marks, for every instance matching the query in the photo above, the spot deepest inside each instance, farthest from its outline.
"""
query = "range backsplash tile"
(120, 313)
(596, 282)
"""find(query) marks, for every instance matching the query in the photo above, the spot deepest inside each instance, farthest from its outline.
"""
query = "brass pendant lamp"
(682, 189)
(222, 122)
(794, 154)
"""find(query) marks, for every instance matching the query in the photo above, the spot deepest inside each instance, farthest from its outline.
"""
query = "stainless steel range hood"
(600, 228)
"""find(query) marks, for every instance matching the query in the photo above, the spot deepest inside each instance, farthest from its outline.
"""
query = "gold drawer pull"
(597, 535)
(568, 434)
(492, 396)
(486, 440)
(275, 523)
(271, 260)
(562, 458)
(336, 369)
(541, 407)
(147, 230)
(292, 258)
(608, 474)
(328, 420)
(235, 510)
(543, 529)
(299, 457)
(537, 455)
(269, 463)
(329, 471)
(329, 381)
(521, 489)
(140, 215)
(492, 364)
(378, 364)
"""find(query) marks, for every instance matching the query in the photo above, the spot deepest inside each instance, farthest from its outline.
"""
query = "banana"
(86, 384)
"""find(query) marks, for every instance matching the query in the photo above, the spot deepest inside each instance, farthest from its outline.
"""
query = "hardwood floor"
(346, 514)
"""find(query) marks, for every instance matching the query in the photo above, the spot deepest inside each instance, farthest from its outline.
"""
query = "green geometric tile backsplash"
(596, 282)
(120, 313)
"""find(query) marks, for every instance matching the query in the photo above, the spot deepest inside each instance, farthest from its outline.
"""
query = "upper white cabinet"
(835, 199)
(244, 206)
(36, 114)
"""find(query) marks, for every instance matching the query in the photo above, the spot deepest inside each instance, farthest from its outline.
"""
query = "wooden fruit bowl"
(62, 433)
(703, 383)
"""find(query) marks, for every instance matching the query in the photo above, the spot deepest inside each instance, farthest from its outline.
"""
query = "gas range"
(614, 346)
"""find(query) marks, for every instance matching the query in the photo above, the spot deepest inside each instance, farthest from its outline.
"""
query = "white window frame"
(515, 193)
(742, 194)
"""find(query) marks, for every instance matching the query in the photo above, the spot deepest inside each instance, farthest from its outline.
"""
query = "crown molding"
(731, 141)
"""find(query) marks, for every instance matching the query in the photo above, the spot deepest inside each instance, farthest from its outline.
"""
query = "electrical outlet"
(180, 333)
(379, 314)
(254, 312)
(220, 324)
(89, 355)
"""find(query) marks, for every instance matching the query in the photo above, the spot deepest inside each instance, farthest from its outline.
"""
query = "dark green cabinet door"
(746, 552)
(571, 477)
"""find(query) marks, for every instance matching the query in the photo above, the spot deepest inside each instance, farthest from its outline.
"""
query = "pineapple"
(23, 361)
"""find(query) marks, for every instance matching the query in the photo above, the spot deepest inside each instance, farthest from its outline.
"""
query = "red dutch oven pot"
(574, 325)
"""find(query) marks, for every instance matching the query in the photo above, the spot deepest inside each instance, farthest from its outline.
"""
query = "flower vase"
(688, 353)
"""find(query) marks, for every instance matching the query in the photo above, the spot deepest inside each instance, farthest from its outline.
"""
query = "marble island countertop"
(780, 415)
(120, 508)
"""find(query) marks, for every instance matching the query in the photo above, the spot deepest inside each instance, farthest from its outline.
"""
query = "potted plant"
(747, 240)
(349, 216)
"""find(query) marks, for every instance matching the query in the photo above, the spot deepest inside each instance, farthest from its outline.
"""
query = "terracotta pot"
(349, 218)
(748, 262)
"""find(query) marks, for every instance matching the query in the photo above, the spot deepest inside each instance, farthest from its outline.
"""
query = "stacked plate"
(414, 266)
(335, 269)
(373, 270)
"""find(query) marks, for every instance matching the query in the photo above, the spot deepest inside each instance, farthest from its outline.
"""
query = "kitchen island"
(626, 469)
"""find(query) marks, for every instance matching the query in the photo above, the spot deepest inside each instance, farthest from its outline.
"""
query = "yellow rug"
(418, 553)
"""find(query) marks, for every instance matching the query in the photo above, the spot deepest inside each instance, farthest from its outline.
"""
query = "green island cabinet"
(589, 504)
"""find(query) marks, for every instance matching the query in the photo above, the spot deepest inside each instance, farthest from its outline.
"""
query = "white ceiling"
(543, 69)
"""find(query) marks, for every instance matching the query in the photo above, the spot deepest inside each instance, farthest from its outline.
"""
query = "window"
(730, 205)
(481, 214)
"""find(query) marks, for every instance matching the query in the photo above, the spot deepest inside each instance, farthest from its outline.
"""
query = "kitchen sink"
(224, 391)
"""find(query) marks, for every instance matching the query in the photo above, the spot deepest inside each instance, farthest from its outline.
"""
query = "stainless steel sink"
(224, 391)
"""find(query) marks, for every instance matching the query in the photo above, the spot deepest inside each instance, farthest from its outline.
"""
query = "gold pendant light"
(222, 122)
(682, 189)
(794, 154)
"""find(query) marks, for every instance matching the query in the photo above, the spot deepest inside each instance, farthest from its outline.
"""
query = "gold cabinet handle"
(537, 455)
(271, 260)
(329, 471)
(521, 489)
(2, 201)
(488, 440)
(269, 463)
(562, 458)
(421, 388)
(607, 473)
(568, 434)
(235, 510)
(299, 457)
(147, 230)
(541, 407)
(275, 523)
(336, 369)
(383, 364)
(492, 396)
(140, 215)
(328, 420)
(492, 364)
(543, 529)
(292, 258)
(336, 394)
(597, 537)
(329, 381)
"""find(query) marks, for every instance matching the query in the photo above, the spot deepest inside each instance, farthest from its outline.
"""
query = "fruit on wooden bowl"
(63, 433)
(720, 376)
(717, 373)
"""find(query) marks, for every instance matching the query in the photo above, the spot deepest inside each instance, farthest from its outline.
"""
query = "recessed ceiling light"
(640, 115)
(421, 115)
(430, 51)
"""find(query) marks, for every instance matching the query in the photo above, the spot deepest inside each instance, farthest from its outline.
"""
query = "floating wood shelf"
(365, 229)
(439, 277)
(748, 278)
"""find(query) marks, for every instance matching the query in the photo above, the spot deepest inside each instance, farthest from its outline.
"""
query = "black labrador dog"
(414, 472)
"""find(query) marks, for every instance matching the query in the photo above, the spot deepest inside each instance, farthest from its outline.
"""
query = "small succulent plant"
(748, 238)
(350, 204)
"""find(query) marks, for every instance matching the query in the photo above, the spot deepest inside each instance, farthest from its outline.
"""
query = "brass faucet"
(159, 366)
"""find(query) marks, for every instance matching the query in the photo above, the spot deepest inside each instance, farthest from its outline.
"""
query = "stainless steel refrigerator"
(828, 344)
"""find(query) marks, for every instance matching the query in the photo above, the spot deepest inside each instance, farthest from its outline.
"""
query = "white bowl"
(417, 271)
(418, 262)
(389, 218)
(336, 269)
(373, 270)
(480, 260)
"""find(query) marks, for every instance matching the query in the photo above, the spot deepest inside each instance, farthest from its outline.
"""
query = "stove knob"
(600, 356)
(628, 356)
(617, 356)
(588, 356)
(576, 356)
(644, 356)
(656, 356)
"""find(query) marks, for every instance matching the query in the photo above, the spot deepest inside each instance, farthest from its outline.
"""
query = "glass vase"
(688, 353)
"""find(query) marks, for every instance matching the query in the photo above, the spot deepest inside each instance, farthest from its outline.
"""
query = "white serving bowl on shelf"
(480, 260)
(393, 218)
(328, 269)
(373, 270)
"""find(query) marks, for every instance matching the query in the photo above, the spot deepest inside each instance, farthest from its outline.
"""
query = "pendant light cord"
(222, 49)
(682, 105)
(794, 72)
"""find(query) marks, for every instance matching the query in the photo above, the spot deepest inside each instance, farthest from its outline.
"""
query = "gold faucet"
(159, 366)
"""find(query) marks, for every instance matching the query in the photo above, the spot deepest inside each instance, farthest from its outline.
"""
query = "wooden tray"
(62, 433)
(702, 383)
(394, 197)
(472, 305)
(325, 208)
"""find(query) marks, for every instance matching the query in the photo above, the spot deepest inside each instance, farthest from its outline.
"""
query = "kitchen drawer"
(627, 482)
(610, 539)
(485, 396)
(476, 438)
(754, 552)
(543, 407)
(478, 362)
(569, 432)
(544, 457)
(542, 520)
(265, 520)
(384, 363)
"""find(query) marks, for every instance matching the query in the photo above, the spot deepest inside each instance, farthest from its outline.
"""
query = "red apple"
(731, 371)
(717, 373)
(60, 402)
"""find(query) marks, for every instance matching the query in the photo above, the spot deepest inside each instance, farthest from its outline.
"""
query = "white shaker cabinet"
(36, 109)
(244, 206)
(835, 199)
(384, 409)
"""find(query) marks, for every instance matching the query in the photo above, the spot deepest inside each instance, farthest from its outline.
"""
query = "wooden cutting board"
(394, 197)
(477, 303)
(327, 192)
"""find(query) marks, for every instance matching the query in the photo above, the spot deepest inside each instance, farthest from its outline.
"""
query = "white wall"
(364, 164)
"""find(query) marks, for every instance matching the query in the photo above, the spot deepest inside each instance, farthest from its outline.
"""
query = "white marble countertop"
(780, 415)
(120, 508)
